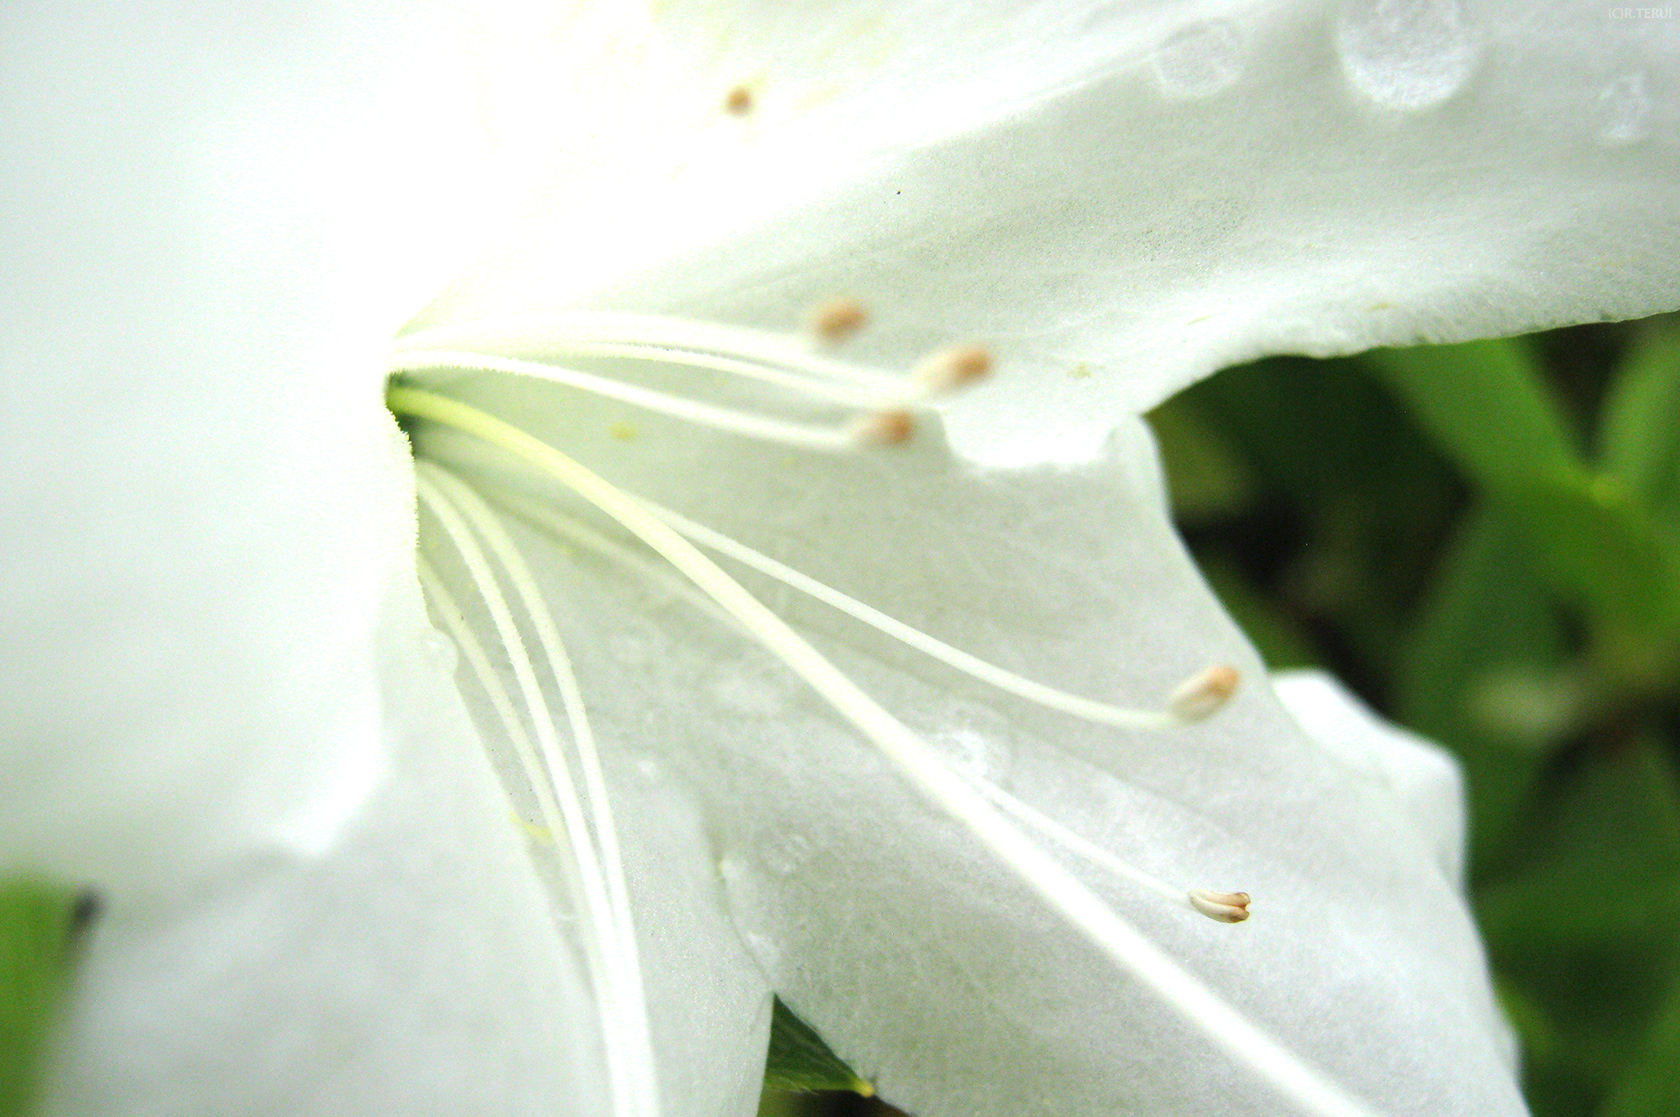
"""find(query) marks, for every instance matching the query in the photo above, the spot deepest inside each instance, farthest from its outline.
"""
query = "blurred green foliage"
(40, 926)
(1483, 540)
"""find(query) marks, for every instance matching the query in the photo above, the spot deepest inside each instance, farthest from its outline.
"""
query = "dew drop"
(1199, 60)
(1406, 54)
(650, 769)
(441, 651)
(1624, 110)
(745, 896)
(784, 854)
(749, 694)
(764, 951)
(977, 741)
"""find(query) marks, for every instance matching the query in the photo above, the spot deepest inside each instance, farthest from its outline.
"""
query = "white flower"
(225, 707)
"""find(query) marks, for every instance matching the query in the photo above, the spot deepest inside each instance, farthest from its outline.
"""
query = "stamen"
(1087, 709)
(1035, 868)
(1087, 849)
(1227, 907)
(738, 101)
(846, 392)
(562, 330)
(1204, 692)
(953, 368)
(807, 436)
(884, 428)
(837, 319)
(572, 530)
(583, 739)
(612, 957)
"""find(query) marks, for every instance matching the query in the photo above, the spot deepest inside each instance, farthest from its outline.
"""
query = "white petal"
(1423, 776)
(214, 222)
(414, 969)
(211, 233)
(899, 936)
(1142, 191)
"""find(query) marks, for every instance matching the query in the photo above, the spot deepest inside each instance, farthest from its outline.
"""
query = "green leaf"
(39, 930)
(1274, 634)
(1349, 501)
(1604, 867)
(1488, 623)
(1651, 1083)
(1582, 924)
(801, 1061)
(1207, 477)
(1600, 550)
(1488, 407)
(1639, 433)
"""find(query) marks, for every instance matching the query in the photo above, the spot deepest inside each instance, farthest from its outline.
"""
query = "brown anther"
(1204, 692)
(885, 428)
(838, 318)
(738, 101)
(1226, 907)
(956, 367)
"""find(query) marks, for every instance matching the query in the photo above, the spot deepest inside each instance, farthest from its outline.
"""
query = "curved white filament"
(806, 435)
(1103, 713)
(839, 391)
(632, 993)
(627, 1044)
(1091, 851)
(1290, 1076)
(566, 330)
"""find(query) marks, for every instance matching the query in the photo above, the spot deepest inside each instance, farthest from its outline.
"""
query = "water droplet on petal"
(1624, 110)
(441, 650)
(1199, 60)
(764, 951)
(745, 893)
(1406, 54)
(977, 740)
(650, 769)
(740, 690)
(784, 854)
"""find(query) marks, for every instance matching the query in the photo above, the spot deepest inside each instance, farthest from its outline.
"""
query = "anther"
(738, 101)
(1204, 692)
(884, 428)
(949, 369)
(837, 319)
(1226, 907)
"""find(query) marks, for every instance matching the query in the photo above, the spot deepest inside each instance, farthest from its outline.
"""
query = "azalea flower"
(739, 699)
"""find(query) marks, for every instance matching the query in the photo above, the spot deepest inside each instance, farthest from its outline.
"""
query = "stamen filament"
(808, 436)
(927, 771)
(566, 328)
(629, 1056)
(1102, 713)
(551, 519)
(632, 992)
(845, 392)
(1091, 851)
